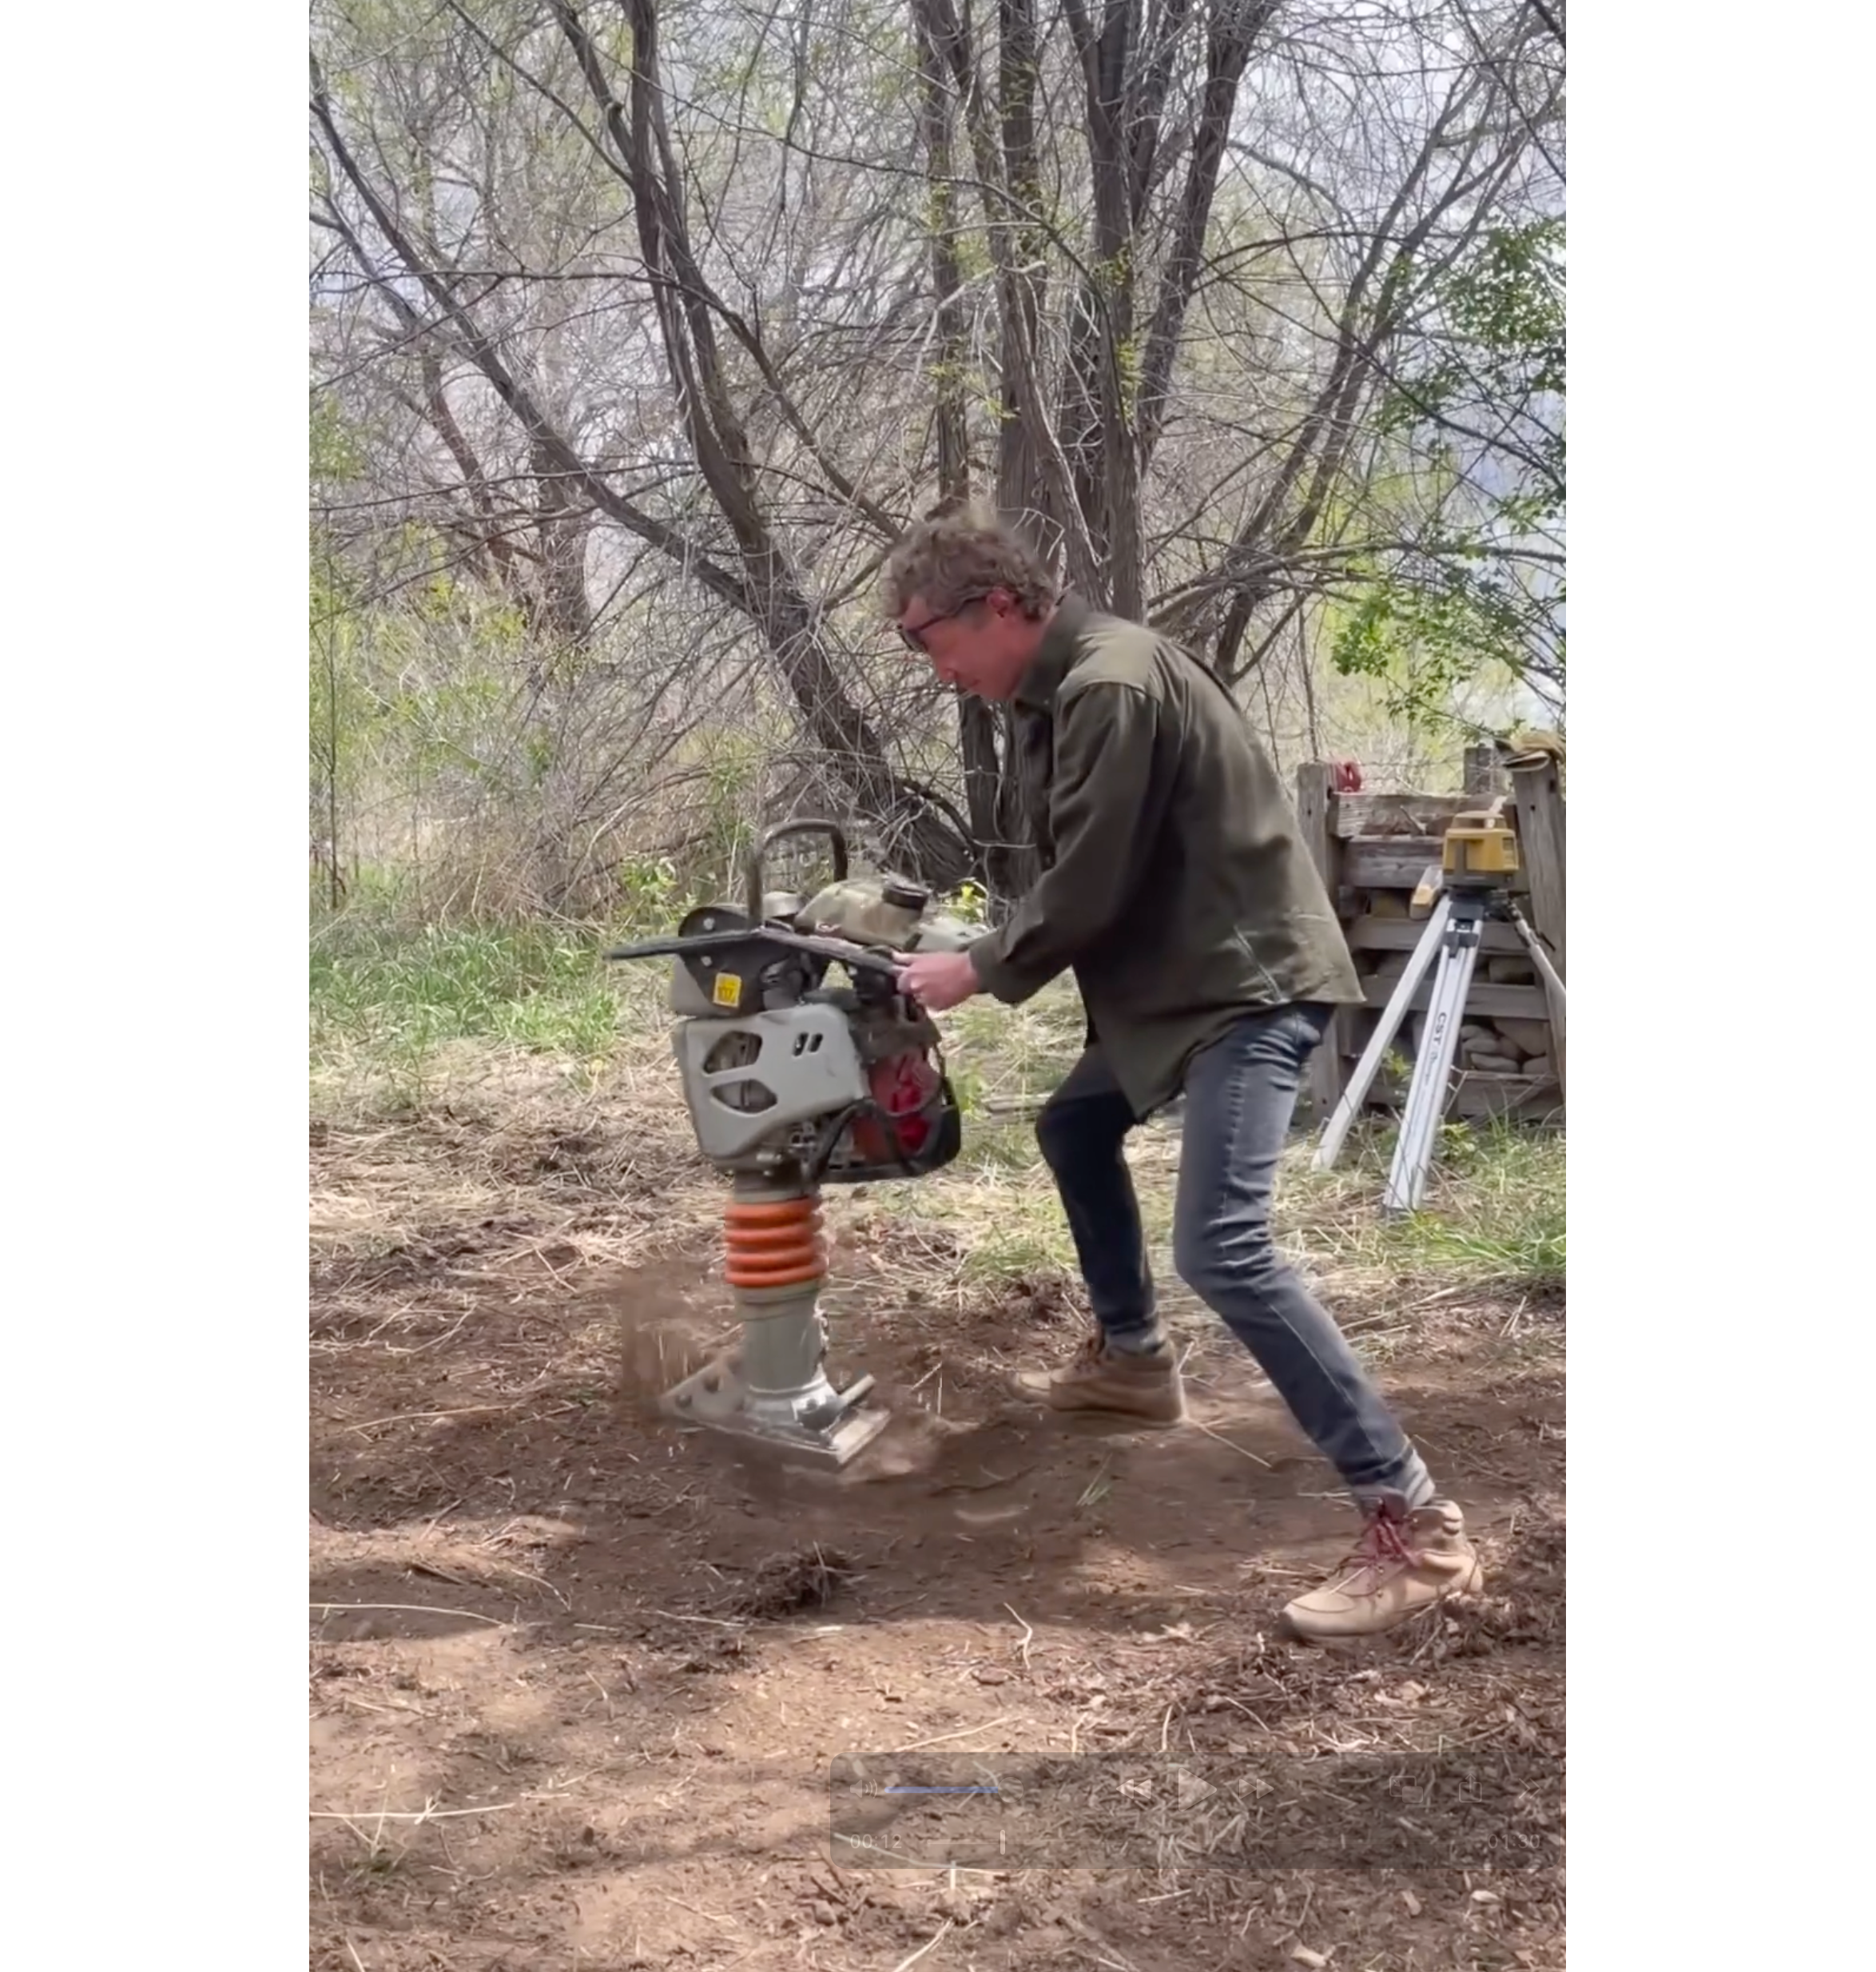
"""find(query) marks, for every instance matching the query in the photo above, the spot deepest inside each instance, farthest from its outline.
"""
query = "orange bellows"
(777, 1244)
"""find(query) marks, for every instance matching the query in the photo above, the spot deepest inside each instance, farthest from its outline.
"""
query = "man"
(1209, 959)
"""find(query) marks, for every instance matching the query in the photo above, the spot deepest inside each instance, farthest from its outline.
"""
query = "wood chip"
(1412, 1902)
(1303, 1955)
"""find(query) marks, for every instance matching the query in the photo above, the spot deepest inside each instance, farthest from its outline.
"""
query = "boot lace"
(1382, 1552)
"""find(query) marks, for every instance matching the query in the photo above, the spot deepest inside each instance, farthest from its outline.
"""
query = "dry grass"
(808, 1578)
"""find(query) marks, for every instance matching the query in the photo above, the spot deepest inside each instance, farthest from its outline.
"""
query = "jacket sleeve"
(1105, 746)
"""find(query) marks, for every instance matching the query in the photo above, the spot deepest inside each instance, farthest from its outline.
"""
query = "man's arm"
(1105, 743)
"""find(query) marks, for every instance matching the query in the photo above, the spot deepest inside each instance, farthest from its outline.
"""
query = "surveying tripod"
(1479, 858)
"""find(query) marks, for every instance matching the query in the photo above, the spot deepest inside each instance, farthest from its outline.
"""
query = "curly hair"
(957, 552)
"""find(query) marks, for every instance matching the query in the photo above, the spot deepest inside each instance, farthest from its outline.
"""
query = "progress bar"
(938, 1789)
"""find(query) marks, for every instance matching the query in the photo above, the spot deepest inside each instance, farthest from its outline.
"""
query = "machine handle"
(753, 884)
(854, 957)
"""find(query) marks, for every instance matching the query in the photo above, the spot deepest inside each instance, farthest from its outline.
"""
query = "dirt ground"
(579, 1677)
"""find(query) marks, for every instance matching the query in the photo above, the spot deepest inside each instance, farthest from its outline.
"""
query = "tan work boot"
(1404, 1562)
(1113, 1381)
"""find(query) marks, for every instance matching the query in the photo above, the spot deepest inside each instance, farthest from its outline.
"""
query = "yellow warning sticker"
(726, 990)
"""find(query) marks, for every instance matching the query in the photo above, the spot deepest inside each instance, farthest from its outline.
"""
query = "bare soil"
(579, 1675)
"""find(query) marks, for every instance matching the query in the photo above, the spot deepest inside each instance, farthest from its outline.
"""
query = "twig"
(962, 1732)
(691, 1909)
(527, 1574)
(355, 1959)
(1262, 1725)
(1236, 1447)
(439, 1574)
(417, 1815)
(423, 1416)
(430, 1525)
(715, 1622)
(1027, 1633)
(412, 1609)
(923, 1949)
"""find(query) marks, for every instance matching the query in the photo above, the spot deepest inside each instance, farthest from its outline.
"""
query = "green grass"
(394, 1008)
(1494, 1210)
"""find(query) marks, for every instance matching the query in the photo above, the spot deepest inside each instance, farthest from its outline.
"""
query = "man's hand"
(938, 980)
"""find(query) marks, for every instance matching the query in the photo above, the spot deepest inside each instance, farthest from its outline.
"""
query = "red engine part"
(901, 1087)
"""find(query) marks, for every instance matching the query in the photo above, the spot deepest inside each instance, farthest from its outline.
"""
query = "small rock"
(991, 1674)
(1526, 1037)
(823, 1912)
(1494, 1065)
(1484, 1896)
(1412, 1902)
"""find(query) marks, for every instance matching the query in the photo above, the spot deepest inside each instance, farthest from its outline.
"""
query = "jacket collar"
(1060, 646)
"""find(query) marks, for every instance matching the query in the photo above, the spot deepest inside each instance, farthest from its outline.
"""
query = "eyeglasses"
(912, 635)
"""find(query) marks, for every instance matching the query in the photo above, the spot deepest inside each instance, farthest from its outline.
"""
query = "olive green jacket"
(1174, 883)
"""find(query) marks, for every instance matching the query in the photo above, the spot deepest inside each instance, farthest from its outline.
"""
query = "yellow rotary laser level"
(1479, 847)
(1478, 852)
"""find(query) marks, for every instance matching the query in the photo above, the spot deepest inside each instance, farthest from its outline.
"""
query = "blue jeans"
(1240, 1094)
